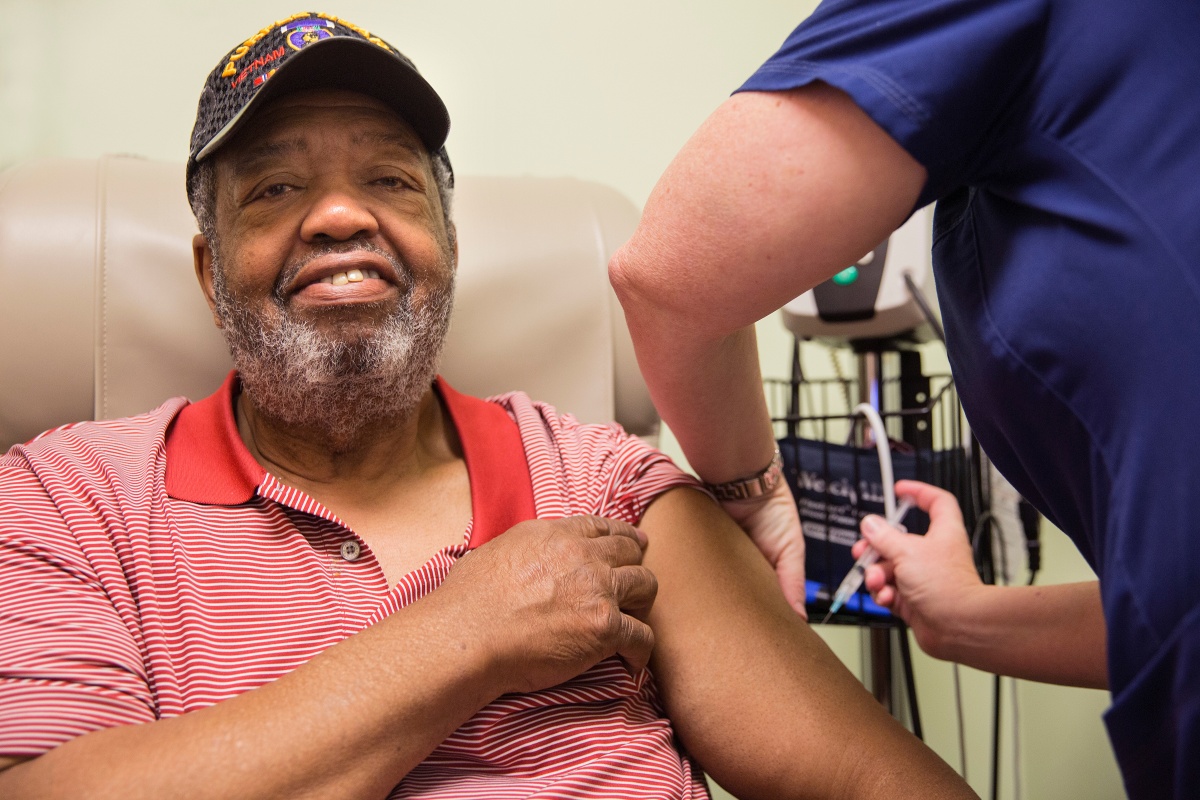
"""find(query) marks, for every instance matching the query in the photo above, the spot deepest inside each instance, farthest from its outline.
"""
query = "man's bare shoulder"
(693, 542)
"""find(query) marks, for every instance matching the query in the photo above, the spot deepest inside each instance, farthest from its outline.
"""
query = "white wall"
(605, 91)
(602, 91)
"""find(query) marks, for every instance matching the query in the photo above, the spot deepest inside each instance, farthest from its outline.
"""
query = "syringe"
(854, 578)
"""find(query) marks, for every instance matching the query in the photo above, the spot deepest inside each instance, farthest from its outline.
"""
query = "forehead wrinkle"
(387, 138)
(257, 154)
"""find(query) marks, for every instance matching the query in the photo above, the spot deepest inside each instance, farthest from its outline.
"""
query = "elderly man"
(337, 577)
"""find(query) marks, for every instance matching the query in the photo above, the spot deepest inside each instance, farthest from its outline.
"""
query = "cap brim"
(353, 65)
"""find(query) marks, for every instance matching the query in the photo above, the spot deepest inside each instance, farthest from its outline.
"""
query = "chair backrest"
(101, 315)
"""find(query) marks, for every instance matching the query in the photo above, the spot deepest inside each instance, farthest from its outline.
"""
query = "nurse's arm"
(754, 695)
(1052, 634)
(773, 194)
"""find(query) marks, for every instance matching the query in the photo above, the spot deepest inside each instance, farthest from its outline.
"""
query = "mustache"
(292, 268)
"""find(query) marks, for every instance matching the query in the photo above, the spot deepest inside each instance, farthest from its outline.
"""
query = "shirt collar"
(208, 463)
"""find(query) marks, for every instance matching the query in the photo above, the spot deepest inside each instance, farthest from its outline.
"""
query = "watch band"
(762, 482)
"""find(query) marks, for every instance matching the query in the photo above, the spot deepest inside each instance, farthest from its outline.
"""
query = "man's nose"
(338, 214)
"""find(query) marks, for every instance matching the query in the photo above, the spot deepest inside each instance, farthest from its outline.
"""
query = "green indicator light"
(846, 277)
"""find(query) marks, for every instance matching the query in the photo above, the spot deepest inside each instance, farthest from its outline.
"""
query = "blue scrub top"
(1062, 142)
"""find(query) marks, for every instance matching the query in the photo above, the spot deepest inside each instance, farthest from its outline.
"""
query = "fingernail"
(645, 540)
(872, 524)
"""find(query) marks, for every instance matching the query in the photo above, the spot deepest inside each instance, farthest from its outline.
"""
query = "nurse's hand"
(925, 580)
(774, 526)
(1054, 634)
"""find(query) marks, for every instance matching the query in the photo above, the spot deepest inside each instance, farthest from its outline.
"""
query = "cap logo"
(261, 79)
(240, 52)
(363, 32)
(258, 64)
(306, 31)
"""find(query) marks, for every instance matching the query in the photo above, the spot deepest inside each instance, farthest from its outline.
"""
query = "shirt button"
(350, 550)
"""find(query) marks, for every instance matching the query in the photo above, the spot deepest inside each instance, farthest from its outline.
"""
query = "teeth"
(353, 276)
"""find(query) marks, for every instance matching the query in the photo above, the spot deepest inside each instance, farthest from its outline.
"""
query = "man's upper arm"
(753, 693)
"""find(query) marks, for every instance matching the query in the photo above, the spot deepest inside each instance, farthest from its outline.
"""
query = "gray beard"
(336, 387)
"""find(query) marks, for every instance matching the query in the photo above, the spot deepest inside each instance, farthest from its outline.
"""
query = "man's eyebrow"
(387, 138)
(257, 154)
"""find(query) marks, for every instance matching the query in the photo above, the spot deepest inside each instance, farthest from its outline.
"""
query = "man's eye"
(275, 190)
(392, 182)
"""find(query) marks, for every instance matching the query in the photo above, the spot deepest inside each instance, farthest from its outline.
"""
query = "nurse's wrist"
(960, 631)
(751, 489)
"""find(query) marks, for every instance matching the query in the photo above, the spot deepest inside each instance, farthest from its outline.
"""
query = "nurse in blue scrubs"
(1061, 142)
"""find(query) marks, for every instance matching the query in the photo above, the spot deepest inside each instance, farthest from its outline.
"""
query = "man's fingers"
(597, 527)
(634, 588)
(618, 550)
(635, 642)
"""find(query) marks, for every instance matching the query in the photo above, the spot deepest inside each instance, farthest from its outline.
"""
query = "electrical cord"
(884, 451)
(1030, 520)
(984, 519)
(962, 728)
(923, 304)
(998, 686)
(988, 520)
(1031, 524)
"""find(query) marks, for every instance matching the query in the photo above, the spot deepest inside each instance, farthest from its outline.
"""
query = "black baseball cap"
(313, 51)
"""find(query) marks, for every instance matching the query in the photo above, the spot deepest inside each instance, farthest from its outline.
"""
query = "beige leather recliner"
(101, 315)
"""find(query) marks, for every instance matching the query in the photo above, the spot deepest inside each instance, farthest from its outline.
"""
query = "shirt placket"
(357, 578)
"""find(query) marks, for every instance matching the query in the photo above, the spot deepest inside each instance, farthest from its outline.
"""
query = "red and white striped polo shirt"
(150, 567)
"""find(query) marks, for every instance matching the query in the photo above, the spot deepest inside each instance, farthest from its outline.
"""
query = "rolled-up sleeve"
(942, 77)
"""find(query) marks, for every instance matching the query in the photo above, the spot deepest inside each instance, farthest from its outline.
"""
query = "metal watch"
(758, 484)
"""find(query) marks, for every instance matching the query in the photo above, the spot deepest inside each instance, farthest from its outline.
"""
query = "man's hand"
(560, 596)
(926, 580)
(774, 525)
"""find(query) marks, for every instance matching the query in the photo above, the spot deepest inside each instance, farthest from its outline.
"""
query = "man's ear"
(202, 256)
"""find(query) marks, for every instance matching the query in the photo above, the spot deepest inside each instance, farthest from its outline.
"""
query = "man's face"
(333, 271)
